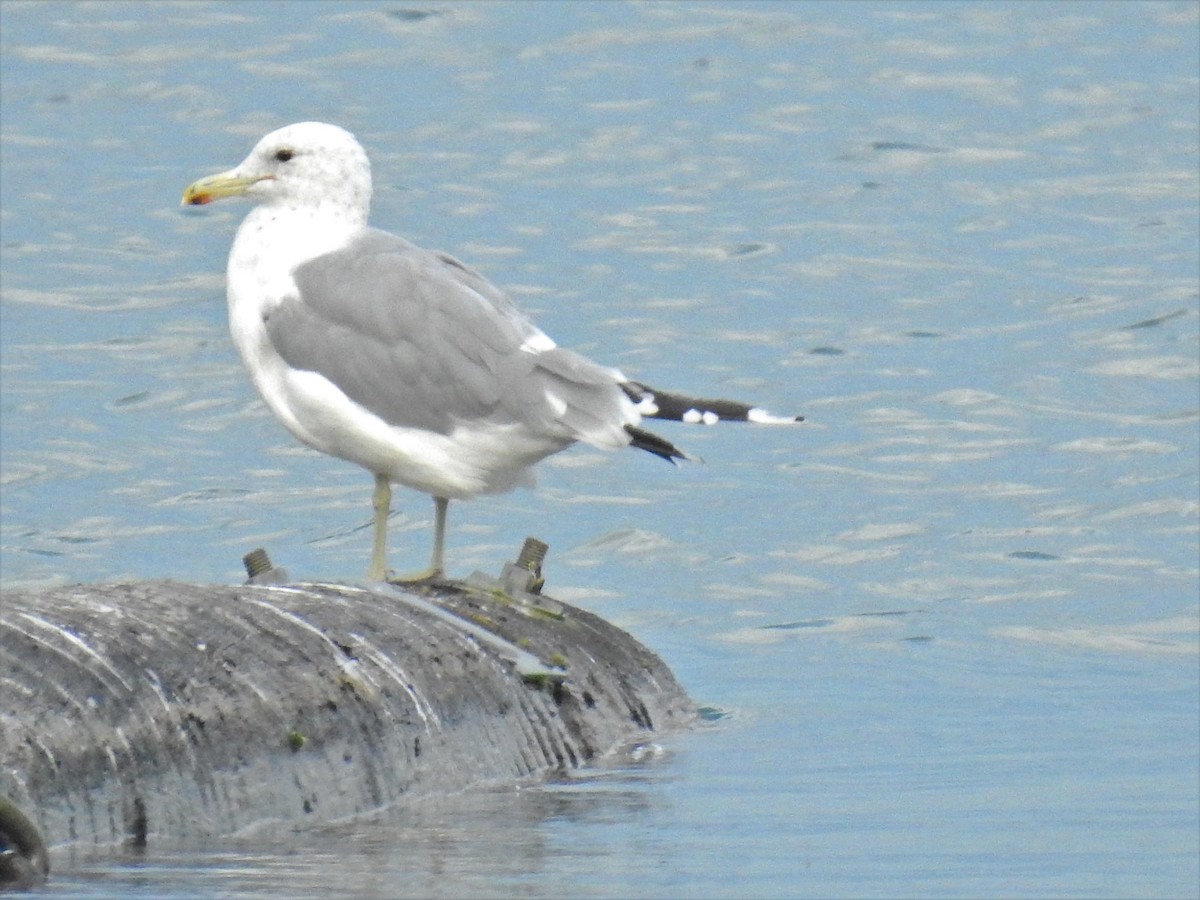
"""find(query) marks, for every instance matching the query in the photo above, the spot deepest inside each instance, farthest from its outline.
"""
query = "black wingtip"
(654, 404)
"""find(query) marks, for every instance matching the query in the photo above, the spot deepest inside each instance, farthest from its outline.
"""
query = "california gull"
(404, 360)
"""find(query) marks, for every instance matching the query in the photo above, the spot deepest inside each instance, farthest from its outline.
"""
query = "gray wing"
(424, 342)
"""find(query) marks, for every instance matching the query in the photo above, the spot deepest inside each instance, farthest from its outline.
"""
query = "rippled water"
(949, 627)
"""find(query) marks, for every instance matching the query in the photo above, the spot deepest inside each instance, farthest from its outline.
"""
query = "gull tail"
(659, 446)
(655, 404)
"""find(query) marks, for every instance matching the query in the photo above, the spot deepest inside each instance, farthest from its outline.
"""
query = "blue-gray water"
(950, 625)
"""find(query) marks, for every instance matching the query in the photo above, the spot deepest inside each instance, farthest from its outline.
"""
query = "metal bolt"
(532, 553)
(256, 562)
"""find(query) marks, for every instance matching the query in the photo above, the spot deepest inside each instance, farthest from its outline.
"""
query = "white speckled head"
(308, 164)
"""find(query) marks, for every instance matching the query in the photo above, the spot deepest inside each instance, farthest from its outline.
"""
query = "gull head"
(307, 165)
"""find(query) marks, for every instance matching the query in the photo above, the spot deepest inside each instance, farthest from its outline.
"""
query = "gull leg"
(436, 562)
(381, 501)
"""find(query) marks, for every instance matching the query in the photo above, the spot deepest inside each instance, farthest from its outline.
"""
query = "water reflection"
(483, 843)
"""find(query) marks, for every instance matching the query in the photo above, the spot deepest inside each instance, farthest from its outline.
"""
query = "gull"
(404, 360)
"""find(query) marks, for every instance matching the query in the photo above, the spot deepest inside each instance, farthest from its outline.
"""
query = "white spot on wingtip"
(646, 406)
(696, 416)
(556, 403)
(762, 417)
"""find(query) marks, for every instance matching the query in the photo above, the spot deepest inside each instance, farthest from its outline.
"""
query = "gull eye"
(285, 154)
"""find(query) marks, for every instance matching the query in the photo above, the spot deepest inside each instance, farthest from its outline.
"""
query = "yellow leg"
(381, 500)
